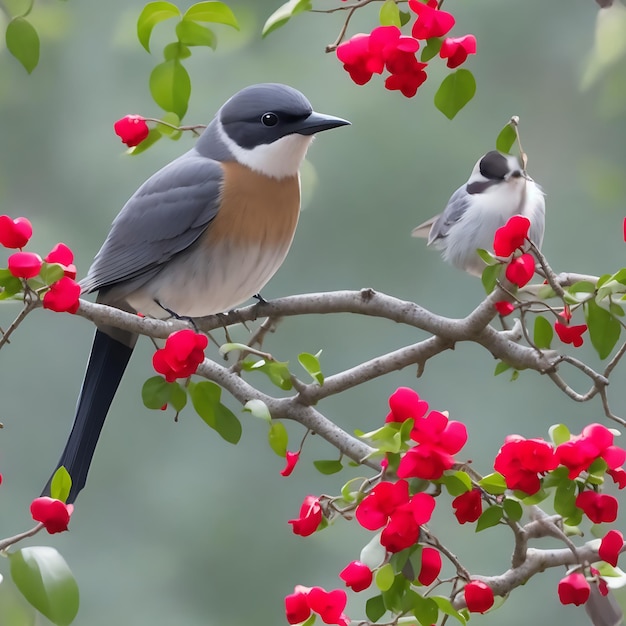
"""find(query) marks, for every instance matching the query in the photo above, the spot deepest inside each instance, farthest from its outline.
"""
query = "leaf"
(490, 275)
(385, 577)
(431, 50)
(375, 608)
(178, 396)
(61, 484)
(425, 609)
(170, 87)
(457, 483)
(258, 408)
(445, 606)
(405, 17)
(155, 392)
(565, 498)
(506, 139)
(284, 13)
(153, 136)
(486, 256)
(604, 329)
(45, 580)
(493, 483)
(23, 42)
(456, 90)
(216, 12)
(512, 509)
(559, 433)
(278, 438)
(389, 14)
(176, 51)
(192, 34)
(311, 364)
(277, 371)
(205, 397)
(150, 16)
(51, 272)
(490, 517)
(328, 467)
(543, 333)
(501, 367)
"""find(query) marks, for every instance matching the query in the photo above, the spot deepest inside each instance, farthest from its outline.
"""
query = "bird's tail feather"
(106, 366)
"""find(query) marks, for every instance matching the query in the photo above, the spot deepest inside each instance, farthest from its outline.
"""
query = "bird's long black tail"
(106, 366)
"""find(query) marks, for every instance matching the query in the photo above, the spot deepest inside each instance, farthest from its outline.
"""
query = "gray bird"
(497, 189)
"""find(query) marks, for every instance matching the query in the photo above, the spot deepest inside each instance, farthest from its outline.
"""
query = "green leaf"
(216, 12)
(278, 438)
(514, 375)
(457, 483)
(375, 608)
(150, 16)
(205, 397)
(277, 371)
(583, 286)
(512, 509)
(425, 609)
(490, 276)
(405, 17)
(176, 51)
(565, 498)
(493, 483)
(385, 577)
(328, 467)
(153, 136)
(284, 13)
(170, 87)
(258, 408)
(616, 310)
(192, 34)
(486, 256)
(45, 580)
(178, 396)
(506, 139)
(389, 14)
(23, 42)
(501, 367)
(559, 433)
(311, 364)
(431, 50)
(155, 392)
(535, 498)
(490, 517)
(445, 606)
(604, 329)
(61, 484)
(51, 272)
(543, 333)
(9, 284)
(456, 90)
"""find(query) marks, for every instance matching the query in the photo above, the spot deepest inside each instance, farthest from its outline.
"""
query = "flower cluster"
(385, 48)
(61, 295)
(181, 355)
(329, 605)
(131, 129)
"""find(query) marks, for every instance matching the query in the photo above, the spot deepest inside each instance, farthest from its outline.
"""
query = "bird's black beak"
(317, 122)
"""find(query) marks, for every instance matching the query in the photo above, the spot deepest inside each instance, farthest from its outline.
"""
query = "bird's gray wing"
(454, 211)
(163, 217)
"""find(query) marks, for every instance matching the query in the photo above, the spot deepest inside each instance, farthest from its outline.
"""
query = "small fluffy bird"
(497, 189)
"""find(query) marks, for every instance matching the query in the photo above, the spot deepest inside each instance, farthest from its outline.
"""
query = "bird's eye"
(269, 119)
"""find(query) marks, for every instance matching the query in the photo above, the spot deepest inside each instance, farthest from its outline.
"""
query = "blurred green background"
(176, 526)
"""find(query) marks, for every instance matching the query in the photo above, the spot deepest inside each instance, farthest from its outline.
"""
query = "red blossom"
(431, 22)
(598, 507)
(63, 296)
(292, 459)
(357, 60)
(310, 517)
(521, 269)
(611, 546)
(407, 73)
(24, 264)
(405, 404)
(570, 334)
(478, 596)
(457, 49)
(131, 129)
(504, 308)
(619, 476)
(62, 255)
(357, 576)
(403, 528)
(181, 355)
(468, 507)
(520, 461)
(374, 510)
(53, 514)
(14, 233)
(297, 605)
(574, 589)
(511, 236)
(329, 605)
(431, 566)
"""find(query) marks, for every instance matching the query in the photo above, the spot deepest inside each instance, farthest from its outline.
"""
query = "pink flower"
(598, 507)
(521, 269)
(456, 50)
(292, 459)
(14, 233)
(182, 354)
(504, 308)
(511, 236)
(131, 129)
(611, 546)
(357, 576)
(63, 296)
(62, 255)
(431, 566)
(405, 404)
(431, 22)
(310, 517)
(297, 605)
(53, 514)
(478, 596)
(24, 264)
(574, 589)
(375, 509)
(570, 334)
(468, 507)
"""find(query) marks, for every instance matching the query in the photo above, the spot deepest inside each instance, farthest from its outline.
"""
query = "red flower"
(598, 507)
(570, 334)
(521, 460)
(619, 476)
(478, 596)
(431, 566)
(292, 460)
(63, 296)
(357, 59)
(574, 589)
(456, 50)
(131, 129)
(52, 513)
(504, 308)
(405, 404)
(468, 507)
(431, 22)
(329, 605)
(511, 236)
(357, 576)
(374, 510)
(62, 255)
(407, 73)
(297, 605)
(181, 355)
(611, 546)
(14, 233)
(310, 517)
(521, 269)
(24, 264)
(403, 528)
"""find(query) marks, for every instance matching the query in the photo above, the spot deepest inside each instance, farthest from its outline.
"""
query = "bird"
(497, 189)
(202, 235)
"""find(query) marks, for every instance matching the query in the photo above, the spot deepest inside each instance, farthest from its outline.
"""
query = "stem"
(6, 543)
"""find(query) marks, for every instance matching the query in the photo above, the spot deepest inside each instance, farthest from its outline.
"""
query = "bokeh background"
(176, 526)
